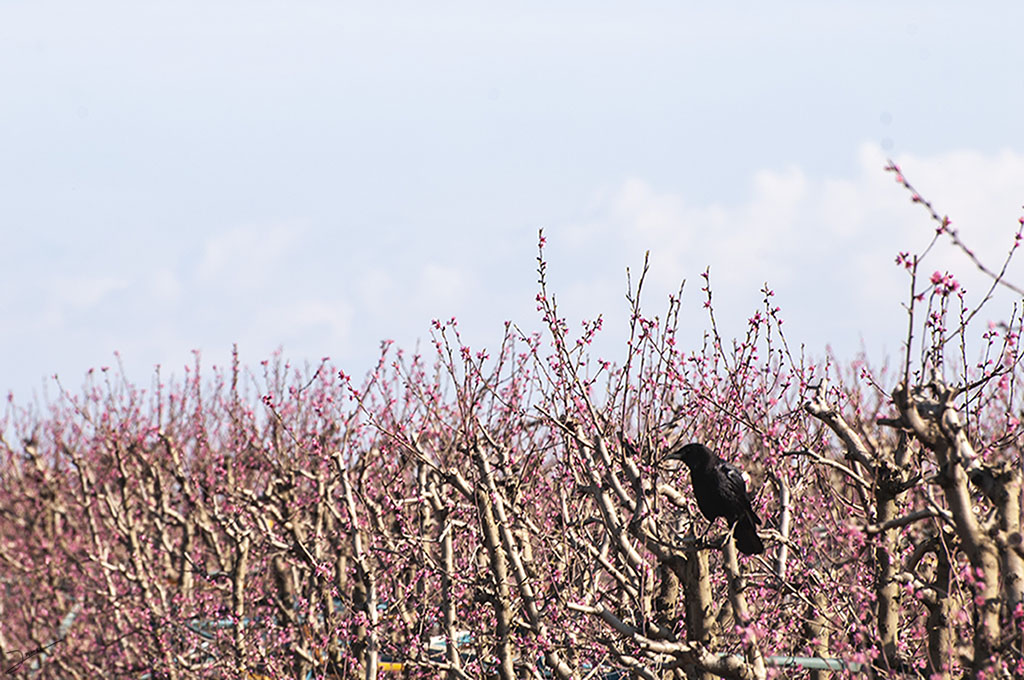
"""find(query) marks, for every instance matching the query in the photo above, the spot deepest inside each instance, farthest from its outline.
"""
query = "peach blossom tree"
(509, 513)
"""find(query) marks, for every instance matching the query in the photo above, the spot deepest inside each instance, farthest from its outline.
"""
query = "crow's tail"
(747, 540)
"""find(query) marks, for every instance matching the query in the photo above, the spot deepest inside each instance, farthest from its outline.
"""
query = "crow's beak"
(673, 454)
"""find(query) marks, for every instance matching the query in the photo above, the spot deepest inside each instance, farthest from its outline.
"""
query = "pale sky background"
(319, 176)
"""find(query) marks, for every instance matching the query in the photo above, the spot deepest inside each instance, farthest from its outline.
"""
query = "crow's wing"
(747, 540)
(734, 492)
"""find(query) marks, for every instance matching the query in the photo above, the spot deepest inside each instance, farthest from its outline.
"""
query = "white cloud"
(441, 286)
(244, 257)
(327, 321)
(165, 285)
(826, 245)
(68, 295)
(85, 292)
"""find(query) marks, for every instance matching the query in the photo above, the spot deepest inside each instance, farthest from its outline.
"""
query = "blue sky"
(319, 176)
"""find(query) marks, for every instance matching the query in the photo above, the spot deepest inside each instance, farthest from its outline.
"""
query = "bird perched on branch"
(721, 492)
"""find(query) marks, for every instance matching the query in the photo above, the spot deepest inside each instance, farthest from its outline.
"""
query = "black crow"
(721, 492)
